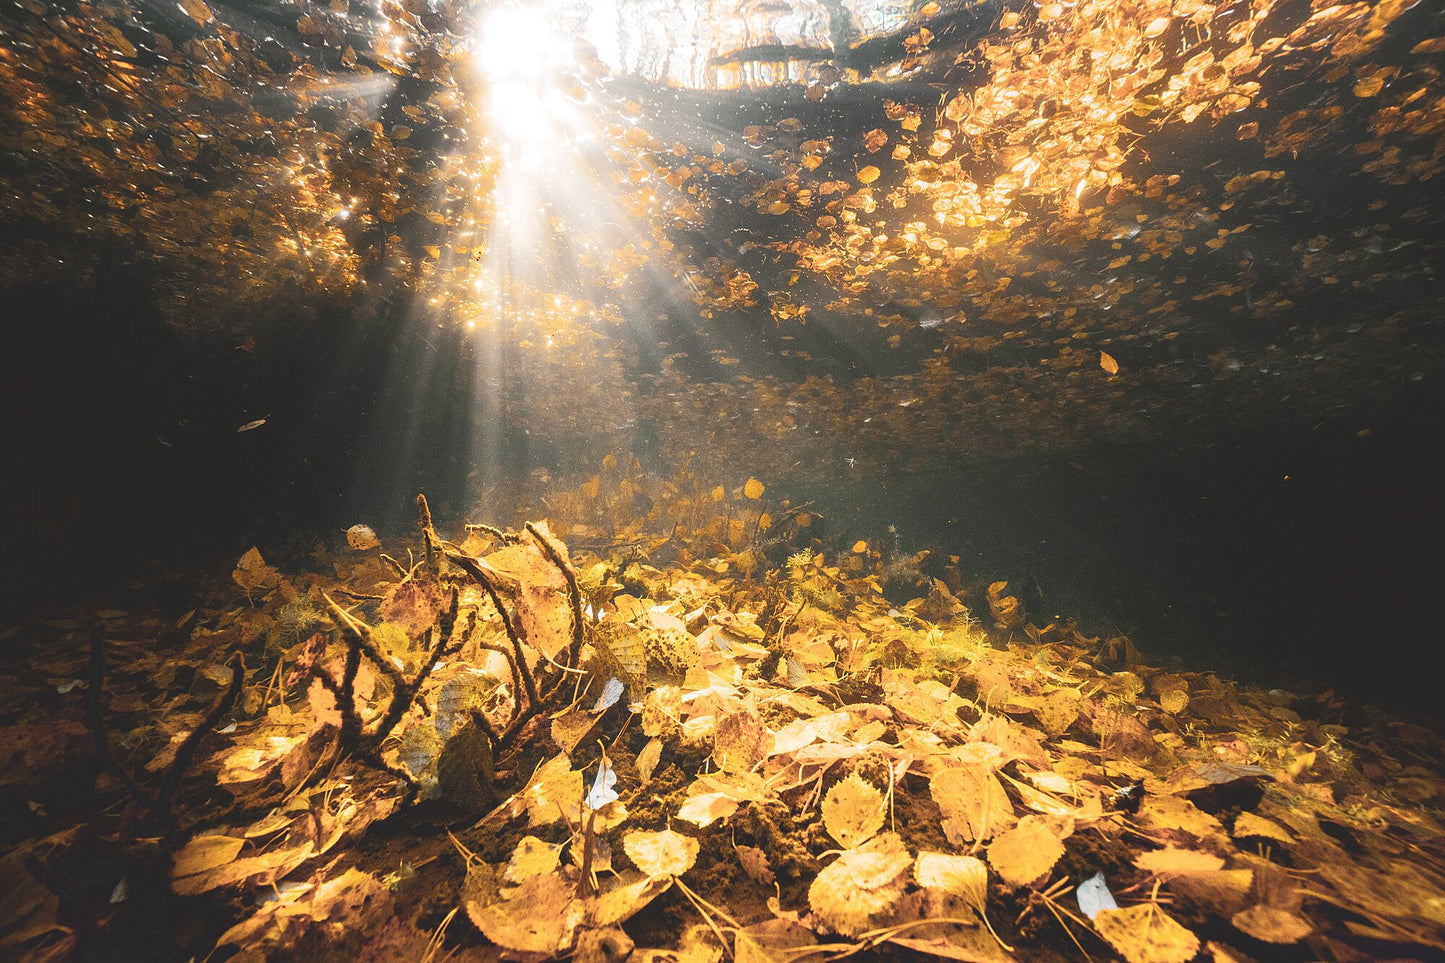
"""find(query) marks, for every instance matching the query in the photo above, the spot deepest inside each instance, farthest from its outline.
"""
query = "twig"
(360, 636)
(574, 594)
(223, 704)
(405, 692)
(171, 779)
(473, 567)
(97, 724)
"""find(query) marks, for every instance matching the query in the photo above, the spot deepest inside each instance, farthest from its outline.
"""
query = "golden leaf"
(853, 811)
(554, 791)
(661, 854)
(753, 489)
(534, 920)
(860, 546)
(362, 538)
(1248, 824)
(964, 876)
(1272, 924)
(859, 884)
(1146, 934)
(1156, 27)
(706, 808)
(647, 759)
(1170, 861)
(1174, 701)
(1107, 362)
(196, 10)
(1026, 852)
(205, 853)
(740, 741)
(1370, 86)
(532, 857)
(868, 174)
(973, 802)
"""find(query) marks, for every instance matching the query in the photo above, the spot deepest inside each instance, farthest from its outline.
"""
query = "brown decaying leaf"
(853, 811)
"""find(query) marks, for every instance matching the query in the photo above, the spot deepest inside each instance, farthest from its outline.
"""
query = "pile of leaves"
(494, 750)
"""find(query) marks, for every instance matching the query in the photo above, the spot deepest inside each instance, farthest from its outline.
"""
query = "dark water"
(1286, 557)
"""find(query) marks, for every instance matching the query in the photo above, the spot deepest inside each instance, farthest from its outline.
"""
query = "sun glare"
(515, 46)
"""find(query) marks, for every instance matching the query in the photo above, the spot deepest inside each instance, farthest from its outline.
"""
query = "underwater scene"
(780, 481)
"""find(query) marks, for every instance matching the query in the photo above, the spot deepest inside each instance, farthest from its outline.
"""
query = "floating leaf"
(753, 489)
(1107, 362)
(361, 538)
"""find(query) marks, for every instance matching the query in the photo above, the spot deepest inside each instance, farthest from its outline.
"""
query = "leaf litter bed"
(719, 743)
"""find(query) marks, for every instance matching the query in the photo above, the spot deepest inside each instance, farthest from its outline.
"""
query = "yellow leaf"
(648, 758)
(532, 857)
(1156, 27)
(205, 853)
(753, 489)
(973, 802)
(1107, 362)
(1272, 924)
(1248, 824)
(361, 538)
(740, 741)
(765, 522)
(1370, 86)
(868, 174)
(860, 884)
(718, 493)
(853, 811)
(592, 486)
(1174, 701)
(1170, 861)
(1026, 852)
(1146, 934)
(706, 808)
(661, 854)
(554, 792)
(609, 462)
(963, 876)
(196, 10)
(860, 546)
